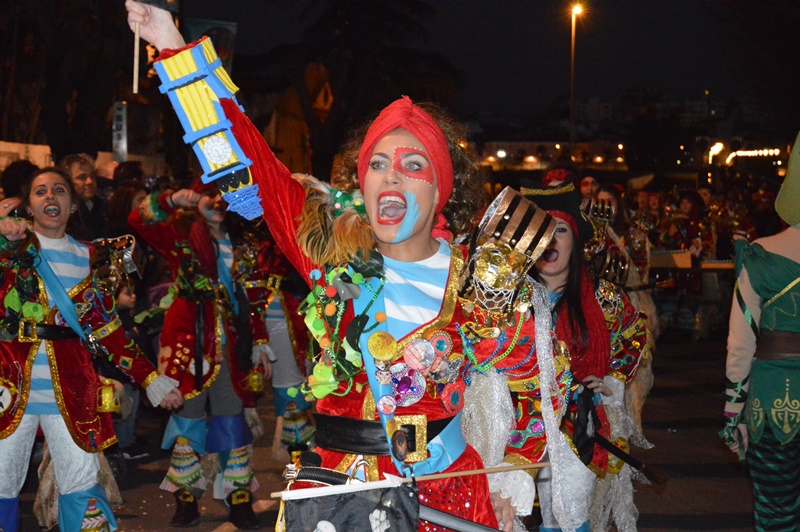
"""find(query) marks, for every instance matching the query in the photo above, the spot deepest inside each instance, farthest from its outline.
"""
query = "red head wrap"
(567, 217)
(559, 176)
(403, 114)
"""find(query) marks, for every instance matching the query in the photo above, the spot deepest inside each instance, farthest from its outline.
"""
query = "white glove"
(262, 348)
(158, 389)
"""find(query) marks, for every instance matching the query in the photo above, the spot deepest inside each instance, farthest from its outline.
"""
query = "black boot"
(242, 515)
(186, 512)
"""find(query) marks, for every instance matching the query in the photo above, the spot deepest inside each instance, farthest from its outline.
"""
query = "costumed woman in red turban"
(385, 306)
(588, 313)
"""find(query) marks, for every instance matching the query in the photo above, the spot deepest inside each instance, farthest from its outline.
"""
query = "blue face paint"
(410, 219)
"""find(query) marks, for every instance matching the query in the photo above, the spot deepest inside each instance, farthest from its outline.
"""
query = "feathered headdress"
(334, 227)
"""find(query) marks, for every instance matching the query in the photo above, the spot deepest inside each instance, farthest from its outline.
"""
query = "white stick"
(306, 493)
(392, 481)
(136, 59)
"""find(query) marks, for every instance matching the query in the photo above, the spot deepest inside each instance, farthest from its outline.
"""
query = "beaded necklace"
(338, 362)
(485, 366)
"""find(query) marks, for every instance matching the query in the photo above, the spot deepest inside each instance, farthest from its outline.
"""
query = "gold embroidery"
(368, 410)
(85, 427)
(73, 426)
(253, 284)
(107, 329)
(532, 384)
(770, 324)
(273, 282)
(150, 378)
(779, 294)
(756, 413)
(785, 413)
(206, 385)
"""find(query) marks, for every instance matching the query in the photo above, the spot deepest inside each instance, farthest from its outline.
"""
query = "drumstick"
(136, 59)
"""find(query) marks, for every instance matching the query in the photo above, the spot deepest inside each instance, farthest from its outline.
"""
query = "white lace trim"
(515, 485)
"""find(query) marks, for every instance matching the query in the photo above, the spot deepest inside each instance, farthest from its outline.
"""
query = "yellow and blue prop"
(189, 78)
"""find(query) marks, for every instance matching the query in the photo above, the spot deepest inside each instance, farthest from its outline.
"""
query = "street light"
(577, 9)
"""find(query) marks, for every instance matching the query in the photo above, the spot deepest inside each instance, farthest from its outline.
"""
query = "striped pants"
(775, 472)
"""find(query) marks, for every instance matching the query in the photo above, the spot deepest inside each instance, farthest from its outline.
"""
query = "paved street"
(707, 489)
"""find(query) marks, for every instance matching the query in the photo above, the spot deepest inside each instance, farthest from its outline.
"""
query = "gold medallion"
(382, 346)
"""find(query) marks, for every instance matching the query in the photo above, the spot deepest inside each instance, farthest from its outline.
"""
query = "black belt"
(357, 436)
(30, 331)
(777, 345)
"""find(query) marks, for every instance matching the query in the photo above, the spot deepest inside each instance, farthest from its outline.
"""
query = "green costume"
(772, 410)
(774, 397)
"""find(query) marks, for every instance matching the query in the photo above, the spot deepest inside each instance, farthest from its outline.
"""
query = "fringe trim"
(292, 435)
(185, 471)
(173, 484)
(94, 520)
(238, 473)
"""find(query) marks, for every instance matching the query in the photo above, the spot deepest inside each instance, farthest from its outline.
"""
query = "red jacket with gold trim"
(75, 381)
(197, 286)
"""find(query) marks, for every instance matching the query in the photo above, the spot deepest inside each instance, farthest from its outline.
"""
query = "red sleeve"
(282, 197)
(149, 221)
(107, 328)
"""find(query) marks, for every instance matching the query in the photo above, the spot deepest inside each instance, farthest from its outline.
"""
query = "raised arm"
(229, 147)
(155, 25)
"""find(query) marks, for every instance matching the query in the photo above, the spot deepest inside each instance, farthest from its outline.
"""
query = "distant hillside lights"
(724, 157)
(520, 155)
(769, 152)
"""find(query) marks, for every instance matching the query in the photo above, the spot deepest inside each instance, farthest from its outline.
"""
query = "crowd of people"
(429, 327)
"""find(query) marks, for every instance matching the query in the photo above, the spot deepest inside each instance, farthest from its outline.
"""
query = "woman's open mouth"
(550, 255)
(52, 210)
(391, 208)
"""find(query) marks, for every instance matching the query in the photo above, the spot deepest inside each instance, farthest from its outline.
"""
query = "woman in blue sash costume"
(57, 314)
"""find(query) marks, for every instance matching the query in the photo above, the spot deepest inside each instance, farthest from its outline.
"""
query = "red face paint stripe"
(425, 174)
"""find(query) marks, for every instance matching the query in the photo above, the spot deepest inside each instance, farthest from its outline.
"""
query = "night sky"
(515, 54)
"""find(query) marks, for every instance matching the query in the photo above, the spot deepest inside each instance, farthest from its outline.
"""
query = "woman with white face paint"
(57, 314)
(384, 272)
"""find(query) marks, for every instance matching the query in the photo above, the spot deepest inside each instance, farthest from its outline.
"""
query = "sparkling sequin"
(408, 385)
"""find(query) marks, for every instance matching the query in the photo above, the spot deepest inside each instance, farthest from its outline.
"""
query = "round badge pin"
(382, 345)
